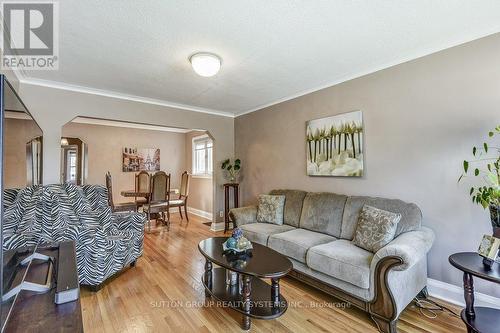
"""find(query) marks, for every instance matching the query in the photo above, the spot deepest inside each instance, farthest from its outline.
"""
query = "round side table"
(477, 319)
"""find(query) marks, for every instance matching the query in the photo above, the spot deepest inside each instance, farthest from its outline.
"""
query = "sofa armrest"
(243, 215)
(410, 246)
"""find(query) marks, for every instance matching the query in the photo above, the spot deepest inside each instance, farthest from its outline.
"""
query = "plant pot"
(495, 219)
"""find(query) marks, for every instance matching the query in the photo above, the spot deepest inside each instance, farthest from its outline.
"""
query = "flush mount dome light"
(205, 64)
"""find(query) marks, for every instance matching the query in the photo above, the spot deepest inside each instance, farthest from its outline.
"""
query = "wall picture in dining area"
(335, 145)
(139, 159)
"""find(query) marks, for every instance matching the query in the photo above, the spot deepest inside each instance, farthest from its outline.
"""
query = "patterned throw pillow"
(376, 228)
(271, 208)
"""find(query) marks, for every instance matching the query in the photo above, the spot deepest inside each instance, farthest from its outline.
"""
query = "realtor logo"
(30, 38)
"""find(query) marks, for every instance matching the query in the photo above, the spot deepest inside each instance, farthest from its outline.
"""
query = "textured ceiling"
(271, 50)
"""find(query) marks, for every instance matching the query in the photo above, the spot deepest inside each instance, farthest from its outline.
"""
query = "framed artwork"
(139, 159)
(489, 247)
(335, 145)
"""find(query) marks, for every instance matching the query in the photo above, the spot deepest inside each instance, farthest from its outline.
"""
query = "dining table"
(143, 194)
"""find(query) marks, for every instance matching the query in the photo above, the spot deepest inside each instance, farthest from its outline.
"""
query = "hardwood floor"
(163, 293)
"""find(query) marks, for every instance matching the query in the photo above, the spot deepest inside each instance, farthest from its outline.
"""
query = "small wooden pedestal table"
(251, 296)
(477, 319)
(236, 197)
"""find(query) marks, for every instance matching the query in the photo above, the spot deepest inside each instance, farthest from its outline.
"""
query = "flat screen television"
(21, 166)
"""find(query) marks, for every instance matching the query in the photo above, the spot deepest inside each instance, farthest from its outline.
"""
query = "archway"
(122, 148)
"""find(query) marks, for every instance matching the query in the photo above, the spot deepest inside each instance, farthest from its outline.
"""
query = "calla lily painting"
(335, 145)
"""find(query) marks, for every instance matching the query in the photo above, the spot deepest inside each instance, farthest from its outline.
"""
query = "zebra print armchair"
(105, 242)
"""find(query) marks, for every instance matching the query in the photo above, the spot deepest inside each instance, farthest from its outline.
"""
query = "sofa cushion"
(411, 216)
(322, 212)
(260, 232)
(342, 260)
(271, 208)
(294, 199)
(295, 243)
(376, 228)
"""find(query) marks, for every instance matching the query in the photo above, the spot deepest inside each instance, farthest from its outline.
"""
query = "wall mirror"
(21, 173)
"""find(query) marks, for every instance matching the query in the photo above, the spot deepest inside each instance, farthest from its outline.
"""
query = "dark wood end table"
(477, 319)
(236, 204)
(251, 296)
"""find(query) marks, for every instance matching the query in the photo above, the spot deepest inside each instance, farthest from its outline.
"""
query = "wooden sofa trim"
(382, 308)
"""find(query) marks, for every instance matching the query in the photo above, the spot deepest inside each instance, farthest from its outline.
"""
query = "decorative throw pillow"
(376, 228)
(271, 208)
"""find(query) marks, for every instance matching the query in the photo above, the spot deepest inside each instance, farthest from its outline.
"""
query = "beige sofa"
(317, 237)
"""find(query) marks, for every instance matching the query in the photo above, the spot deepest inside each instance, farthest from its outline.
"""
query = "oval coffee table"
(254, 298)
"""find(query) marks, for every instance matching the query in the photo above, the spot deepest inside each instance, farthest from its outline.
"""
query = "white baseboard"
(194, 211)
(455, 295)
(218, 226)
(199, 212)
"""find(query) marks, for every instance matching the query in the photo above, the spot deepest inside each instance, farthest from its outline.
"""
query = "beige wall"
(17, 133)
(421, 119)
(105, 144)
(200, 190)
(53, 108)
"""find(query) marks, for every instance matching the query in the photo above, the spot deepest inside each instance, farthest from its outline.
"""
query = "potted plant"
(232, 169)
(485, 165)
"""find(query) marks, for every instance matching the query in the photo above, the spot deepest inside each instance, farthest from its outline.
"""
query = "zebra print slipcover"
(106, 242)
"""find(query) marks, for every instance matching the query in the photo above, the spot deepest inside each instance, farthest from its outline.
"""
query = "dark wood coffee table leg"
(208, 276)
(275, 291)
(245, 294)
(469, 295)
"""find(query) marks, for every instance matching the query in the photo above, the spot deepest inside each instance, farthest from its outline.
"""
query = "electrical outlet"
(221, 213)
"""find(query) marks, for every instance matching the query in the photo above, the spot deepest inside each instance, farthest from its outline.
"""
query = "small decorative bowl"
(238, 249)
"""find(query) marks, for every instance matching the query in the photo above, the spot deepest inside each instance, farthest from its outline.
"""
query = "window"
(202, 156)
(72, 166)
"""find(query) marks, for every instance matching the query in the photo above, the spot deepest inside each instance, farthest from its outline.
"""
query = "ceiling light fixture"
(205, 64)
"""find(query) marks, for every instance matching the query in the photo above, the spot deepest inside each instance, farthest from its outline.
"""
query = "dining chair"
(183, 195)
(159, 196)
(142, 182)
(117, 207)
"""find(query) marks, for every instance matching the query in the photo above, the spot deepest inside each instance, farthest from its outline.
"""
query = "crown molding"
(125, 124)
(113, 94)
(375, 69)
(17, 115)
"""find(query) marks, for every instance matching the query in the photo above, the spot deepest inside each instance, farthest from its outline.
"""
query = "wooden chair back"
(142, 182)
(109, 186)
(184, 190)
(160, 187)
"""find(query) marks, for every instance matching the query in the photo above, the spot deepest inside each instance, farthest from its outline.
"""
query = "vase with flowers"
(231, 170)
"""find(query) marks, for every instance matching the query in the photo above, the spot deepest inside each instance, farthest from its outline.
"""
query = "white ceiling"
(271, 50)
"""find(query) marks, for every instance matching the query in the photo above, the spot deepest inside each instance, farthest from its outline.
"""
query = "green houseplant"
(232, 169)
(485, 165)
